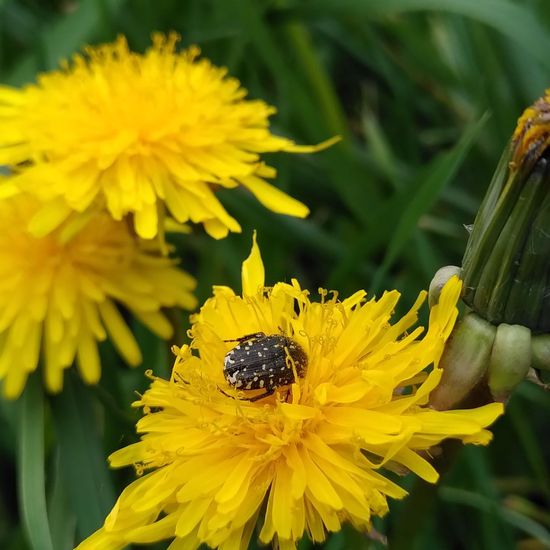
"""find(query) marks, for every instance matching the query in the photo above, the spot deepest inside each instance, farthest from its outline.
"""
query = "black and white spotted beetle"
(261, 361)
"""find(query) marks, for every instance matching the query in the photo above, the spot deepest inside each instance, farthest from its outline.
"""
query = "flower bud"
(540, 351)
(510, 359)
(438, 282)
(464, 361)
(507, 258)
(506, 274)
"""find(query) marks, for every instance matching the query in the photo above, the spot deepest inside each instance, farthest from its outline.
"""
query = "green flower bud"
(464, 361)
(507, 260)
(540, 351)
(438, 282)
(506, 267)
(510, 359)
(506, 274)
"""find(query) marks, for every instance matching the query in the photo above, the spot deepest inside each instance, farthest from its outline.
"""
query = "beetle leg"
(266, 394)
(226, 394)
(261, 396)
(251, 399)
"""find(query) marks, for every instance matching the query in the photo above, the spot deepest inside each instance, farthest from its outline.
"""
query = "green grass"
(425, 94)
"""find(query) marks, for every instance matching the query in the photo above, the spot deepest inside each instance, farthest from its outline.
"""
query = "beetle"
(261, 361)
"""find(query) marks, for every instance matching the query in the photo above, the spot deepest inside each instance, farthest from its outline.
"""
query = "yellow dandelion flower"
(60, 293)
(134, 132)
(219, 458)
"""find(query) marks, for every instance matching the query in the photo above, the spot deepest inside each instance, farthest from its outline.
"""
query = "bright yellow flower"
(135, 132)
(313, 452)
(59, 294)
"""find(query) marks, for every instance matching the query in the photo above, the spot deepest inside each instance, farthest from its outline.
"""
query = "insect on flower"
(261, 361)
(312, 459)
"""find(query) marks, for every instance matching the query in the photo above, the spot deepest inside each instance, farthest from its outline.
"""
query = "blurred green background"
(425, 94)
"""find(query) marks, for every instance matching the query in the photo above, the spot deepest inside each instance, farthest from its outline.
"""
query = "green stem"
(30, 466)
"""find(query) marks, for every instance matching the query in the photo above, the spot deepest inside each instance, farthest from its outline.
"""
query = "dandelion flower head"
(60, 294)
(215, 462)
(137, 132)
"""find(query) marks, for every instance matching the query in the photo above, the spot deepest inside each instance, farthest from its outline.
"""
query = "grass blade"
(512, 20)
(59, 41)
(62, 518)
(482, 503)
(442, 170)
(83, 464)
